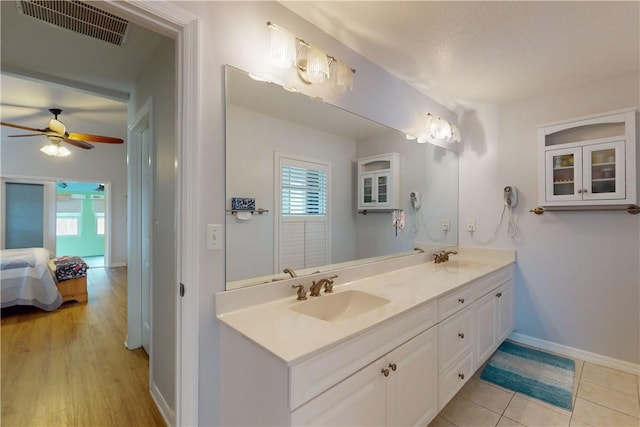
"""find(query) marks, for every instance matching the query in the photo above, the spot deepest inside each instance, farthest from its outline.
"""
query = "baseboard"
(168, 415)
(576, 353)
(118, 264)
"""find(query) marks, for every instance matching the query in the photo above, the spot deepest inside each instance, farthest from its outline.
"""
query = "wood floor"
(70, 367)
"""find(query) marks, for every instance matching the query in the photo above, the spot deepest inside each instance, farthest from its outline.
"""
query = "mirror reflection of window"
(302, 218)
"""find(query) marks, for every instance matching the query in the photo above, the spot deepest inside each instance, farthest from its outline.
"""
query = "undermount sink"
(340, 306)
(457, 263)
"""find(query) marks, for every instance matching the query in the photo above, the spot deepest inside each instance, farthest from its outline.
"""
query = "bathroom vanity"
(386, 349)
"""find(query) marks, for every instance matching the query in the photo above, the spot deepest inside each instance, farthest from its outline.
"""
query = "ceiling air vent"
(78, 17)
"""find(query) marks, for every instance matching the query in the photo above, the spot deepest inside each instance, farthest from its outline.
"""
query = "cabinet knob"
(461, 300)
(580, 190)
(461, 375)
(584, 190)
(385, 372)
(499, 294)
(393, 366)
(461, 335)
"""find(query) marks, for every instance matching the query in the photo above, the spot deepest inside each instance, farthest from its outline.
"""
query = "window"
(303, 204)
(68, 212)
(100, 224)
(304, 190)
(67, 225)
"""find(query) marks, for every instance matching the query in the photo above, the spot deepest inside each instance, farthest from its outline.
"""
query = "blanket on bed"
(69, 267)
(27, 280)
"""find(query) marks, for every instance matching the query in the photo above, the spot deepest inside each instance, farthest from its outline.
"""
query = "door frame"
(181, 25)
(142, 121)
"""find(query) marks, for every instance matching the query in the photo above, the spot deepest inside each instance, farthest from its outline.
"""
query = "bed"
(26, 279)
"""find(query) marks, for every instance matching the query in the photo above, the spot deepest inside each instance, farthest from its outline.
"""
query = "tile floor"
(602, 397)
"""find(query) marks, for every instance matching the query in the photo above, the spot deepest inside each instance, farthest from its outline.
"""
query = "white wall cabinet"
(379, 182)
(588, 161)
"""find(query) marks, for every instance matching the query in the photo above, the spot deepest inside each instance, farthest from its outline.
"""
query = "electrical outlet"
(446, 225)
(214, 236)
(471, 225)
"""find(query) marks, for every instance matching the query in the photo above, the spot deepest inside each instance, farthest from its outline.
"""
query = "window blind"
(303, 190)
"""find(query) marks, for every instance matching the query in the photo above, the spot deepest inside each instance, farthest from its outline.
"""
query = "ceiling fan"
(57, 132)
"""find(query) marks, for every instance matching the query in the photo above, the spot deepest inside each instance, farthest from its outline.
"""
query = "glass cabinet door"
(604, 171)
(564, 174)
(382, 188)
(367, 189)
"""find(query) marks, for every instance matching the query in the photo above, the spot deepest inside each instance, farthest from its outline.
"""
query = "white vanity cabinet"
(397, 372)
(379, 182)
(474, 320)
(588, 161)
(343, 385)
(398, 389)
(493, 315)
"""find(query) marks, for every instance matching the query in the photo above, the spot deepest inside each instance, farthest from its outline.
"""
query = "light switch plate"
(214, 237)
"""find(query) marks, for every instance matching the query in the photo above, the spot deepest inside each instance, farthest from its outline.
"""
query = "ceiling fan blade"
(21, 127)
(79, 144)
(94, 138)
(29, 134)
(57, 126)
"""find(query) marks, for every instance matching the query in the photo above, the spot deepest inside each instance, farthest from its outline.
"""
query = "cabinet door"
(382, 189)
(412, 388)
(563, 175)
(367, 191)
(486, 321)
(604, 171)
(357, 401)
(504, 295)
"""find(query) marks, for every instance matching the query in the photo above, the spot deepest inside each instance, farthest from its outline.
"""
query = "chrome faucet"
(443, 256)
(290, 272)
(314, 291)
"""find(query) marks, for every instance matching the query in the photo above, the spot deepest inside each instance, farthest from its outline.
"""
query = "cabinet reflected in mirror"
(298, 158)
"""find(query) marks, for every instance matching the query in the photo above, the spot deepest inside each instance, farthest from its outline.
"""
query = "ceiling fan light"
(55, 150)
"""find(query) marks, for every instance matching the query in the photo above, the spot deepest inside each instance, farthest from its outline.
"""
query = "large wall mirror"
(283, 149)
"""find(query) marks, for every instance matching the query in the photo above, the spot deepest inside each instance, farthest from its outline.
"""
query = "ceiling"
(455, 52)
(89, 79)
(490, 52)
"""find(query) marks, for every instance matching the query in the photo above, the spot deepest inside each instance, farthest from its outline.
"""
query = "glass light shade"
(317, 66)
(55, 150)
(341, 77)
(283, 48)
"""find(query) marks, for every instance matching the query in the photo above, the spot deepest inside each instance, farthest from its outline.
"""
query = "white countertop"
(293, 337)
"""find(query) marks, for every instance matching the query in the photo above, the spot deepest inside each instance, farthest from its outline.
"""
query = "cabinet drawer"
(455, 301)
(455, 337)
(311, 377)
(453, 379)
(492, 281)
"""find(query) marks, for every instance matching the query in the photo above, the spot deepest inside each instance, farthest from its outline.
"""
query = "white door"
(486, 320)
(505, 297)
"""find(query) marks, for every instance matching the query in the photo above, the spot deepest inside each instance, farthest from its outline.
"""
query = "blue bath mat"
(532, 372)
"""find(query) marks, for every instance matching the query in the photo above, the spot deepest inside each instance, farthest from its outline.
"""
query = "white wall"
(577, 276)
(157, 81)
(235, 33)
(105, 162)
(252, 140)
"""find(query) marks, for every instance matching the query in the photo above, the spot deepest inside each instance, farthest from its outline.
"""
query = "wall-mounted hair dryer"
(510, 196)
(415, 199)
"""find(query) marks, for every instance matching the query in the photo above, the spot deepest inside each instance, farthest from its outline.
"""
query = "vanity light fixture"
(313, 64)
(441, 130)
